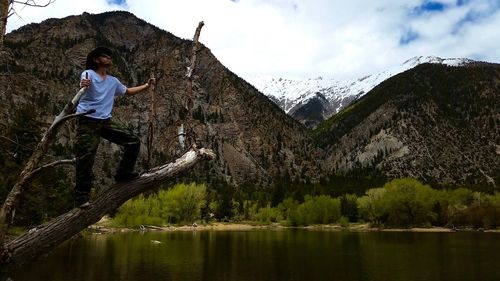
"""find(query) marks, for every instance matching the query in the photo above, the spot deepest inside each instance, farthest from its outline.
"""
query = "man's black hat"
(95, 53)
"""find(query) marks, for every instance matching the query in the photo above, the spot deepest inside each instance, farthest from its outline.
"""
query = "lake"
(289, 254)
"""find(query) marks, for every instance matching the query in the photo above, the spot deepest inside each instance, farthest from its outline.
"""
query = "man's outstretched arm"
(134, 90)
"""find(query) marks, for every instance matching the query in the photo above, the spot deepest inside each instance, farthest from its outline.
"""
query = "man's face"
(104, 60)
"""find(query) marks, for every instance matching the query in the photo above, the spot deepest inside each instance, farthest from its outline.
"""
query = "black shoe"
(126, 177)
(84, 205)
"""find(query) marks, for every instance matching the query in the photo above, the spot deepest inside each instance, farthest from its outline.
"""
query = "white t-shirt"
(100, 95)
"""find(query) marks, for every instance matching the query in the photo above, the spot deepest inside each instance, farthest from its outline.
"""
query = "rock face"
(434, 122)
(254, 140)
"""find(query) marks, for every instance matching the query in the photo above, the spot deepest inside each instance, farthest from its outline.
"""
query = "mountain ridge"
(296, 96)
(433, 122)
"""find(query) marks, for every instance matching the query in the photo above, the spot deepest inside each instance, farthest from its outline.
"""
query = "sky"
(300, 39)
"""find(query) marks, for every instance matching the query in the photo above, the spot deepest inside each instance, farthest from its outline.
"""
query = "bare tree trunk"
(42, 239)
(4, 14)
(34, 162)
(7, 9)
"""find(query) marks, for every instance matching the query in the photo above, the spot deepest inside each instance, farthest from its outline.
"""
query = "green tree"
(316, 210)
(349, 206)
(268, 215)
(182, 203)
(371, 207)
(408, 202)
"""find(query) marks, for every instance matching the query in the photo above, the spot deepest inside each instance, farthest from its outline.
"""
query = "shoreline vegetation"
(105, 227)
(403, 204)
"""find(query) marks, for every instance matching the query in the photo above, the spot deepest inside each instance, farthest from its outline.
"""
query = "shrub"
(268, 215)
(401, 202)
(370, 206)
(408, 202)
(316, 210)
(180, 204)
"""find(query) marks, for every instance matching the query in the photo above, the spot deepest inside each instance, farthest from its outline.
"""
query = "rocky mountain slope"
(312, 101)
(434, 122)
(255, 141)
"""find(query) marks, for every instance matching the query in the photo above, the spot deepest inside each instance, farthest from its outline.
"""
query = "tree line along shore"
(401, 203)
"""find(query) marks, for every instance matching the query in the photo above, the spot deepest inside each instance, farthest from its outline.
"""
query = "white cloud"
(308, 38)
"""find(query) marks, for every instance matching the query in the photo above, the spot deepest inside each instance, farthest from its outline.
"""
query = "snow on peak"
(289, 93)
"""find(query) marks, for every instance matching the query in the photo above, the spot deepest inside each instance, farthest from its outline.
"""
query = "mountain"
(434, 122)
(312, 101)
(255, 141)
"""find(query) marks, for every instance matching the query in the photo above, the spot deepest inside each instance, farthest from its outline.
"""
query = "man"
(101, 91)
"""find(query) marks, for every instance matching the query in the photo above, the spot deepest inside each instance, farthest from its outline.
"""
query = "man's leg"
(87, 142)
(120, 135)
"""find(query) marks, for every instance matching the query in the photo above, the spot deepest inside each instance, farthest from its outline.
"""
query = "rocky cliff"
(254, 140)
(435, 122)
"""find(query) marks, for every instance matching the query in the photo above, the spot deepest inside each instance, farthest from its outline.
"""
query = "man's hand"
(85, 83)
(151, 82)
(137, 89)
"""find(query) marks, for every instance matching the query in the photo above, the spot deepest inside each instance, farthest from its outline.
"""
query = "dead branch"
(195, 49)
(16, 142)
(189, 133)
(33, 162)
(33, 3)
(151, 117)
(53, 164)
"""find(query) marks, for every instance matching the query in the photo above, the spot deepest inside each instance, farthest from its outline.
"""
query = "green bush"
(139, 211)
(268, 215)
(343, 221)
(180, 204)
(401, 202)
(316, 210)
(370, 206)
(484, 212)
(408, 202)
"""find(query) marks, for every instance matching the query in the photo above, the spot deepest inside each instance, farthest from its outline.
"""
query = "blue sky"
(117, 2)
(310, 38)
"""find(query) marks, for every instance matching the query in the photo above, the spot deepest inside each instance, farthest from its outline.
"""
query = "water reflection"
(273, 255)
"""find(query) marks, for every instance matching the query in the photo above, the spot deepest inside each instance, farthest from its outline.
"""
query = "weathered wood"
(42, 239)
(151, 117)
(4, 14)
(34, 161)
(196, 47)
(189, 131)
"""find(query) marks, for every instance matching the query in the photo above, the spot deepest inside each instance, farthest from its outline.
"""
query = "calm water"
(273, 255)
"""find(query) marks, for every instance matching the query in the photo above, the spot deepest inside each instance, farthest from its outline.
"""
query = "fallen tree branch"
(42, 239)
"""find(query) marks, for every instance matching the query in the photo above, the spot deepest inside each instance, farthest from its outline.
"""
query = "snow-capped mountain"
(313, 100)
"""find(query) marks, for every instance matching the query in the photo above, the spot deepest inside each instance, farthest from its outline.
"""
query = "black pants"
(88, 135)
